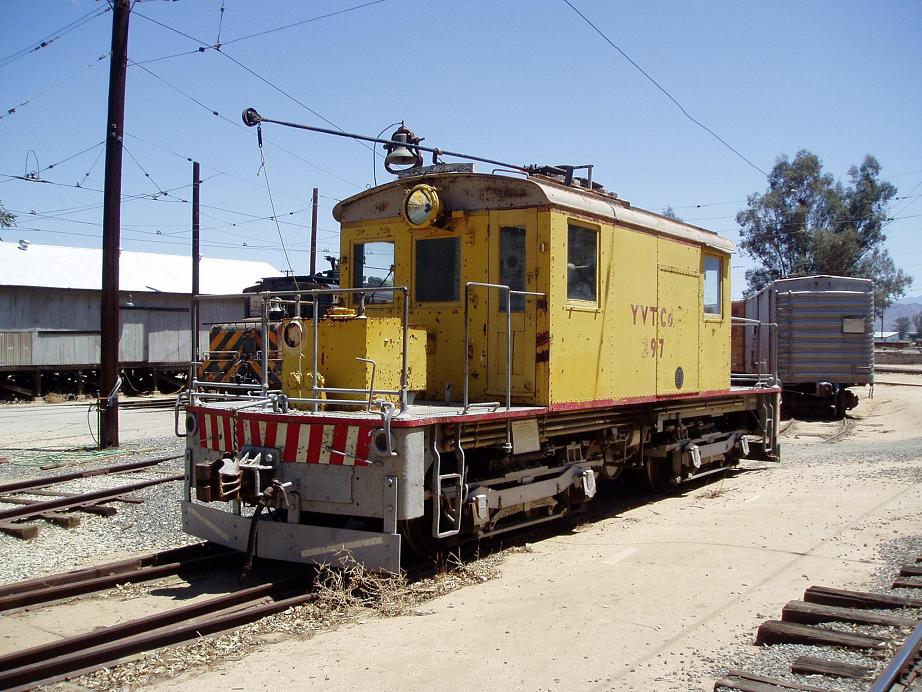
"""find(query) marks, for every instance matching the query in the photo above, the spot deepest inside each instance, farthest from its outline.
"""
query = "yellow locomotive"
(502, 344)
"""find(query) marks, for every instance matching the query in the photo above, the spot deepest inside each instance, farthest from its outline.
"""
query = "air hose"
(264, 498)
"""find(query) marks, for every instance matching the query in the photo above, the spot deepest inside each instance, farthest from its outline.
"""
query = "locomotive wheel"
(658, 476)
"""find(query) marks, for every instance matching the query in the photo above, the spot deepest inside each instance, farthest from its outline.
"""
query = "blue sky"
(523, 82)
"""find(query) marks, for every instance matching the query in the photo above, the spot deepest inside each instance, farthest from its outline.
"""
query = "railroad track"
(52, 509)
(811, 621)
(141, 404)
(102, 647)
(105, 646)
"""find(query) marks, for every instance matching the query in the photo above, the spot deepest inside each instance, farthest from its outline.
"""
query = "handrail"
(509, 293)
(314, 294)
(772, 363)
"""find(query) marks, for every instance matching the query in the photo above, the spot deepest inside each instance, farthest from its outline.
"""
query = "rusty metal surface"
(93, 650)
(78, 587)
(45, 481)
(471, 192)
(35, 510)
(117, 566)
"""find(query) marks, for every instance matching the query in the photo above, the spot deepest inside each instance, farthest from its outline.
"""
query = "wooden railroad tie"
(778, 632)
(906, 584)
(857, 599)
(29, 530)
(98, 509)
(809, 665)
(24, 531)
(750, 682)
(815, 613)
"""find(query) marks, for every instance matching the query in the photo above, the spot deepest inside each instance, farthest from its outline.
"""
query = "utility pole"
(195, 264)
(111, 228)
(314, 233)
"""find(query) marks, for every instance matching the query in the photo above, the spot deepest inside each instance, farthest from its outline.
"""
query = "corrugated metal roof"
(55, 266)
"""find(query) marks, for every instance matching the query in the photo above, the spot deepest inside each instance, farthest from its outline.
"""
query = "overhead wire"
(251, 72)
(239, 125)
(299, 247)
(220, 24)
(25, 102)
(663, 89)
(265, 170)
(72, 156)
(144, 171)
(50, 38)
(299, 23)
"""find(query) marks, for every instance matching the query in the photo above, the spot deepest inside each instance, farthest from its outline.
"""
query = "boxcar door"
(512, 263)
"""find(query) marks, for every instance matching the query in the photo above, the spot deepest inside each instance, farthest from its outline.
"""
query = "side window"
(582, 259)
(373, 266)
(713, 273)
(438, 270)
(512, 265)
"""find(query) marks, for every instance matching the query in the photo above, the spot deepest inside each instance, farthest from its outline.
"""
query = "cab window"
(438, 270)
(372, 267)
(582, 254)
(512, 266)
(713, 273)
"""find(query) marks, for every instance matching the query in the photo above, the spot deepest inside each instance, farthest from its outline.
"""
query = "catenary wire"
(662, 89)
(265, 170)
(53, 36)
(25, 102)
(239, 125)
(253, 73)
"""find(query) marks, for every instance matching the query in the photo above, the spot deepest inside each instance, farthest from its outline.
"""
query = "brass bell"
(400, 155)
(402, 149)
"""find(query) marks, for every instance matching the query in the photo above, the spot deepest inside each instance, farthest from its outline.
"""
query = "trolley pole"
(314, 232)
(111, 231)
(195, 263)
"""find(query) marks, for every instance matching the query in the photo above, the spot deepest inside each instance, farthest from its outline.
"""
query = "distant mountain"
(900, 309)
(908, 300)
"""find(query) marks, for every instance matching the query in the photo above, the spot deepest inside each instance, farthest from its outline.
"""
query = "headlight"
(422, 205)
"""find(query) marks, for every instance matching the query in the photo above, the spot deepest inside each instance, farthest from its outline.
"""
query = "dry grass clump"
(344, 589)
(345, 594)
(715, 491)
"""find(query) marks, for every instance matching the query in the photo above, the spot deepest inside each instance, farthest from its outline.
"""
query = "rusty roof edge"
(579, 200)
(619, 210)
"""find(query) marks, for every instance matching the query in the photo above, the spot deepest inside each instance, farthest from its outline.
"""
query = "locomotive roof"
(484, 191)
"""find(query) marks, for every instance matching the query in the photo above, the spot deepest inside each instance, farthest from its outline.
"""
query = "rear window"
(713, 271)
(373, 267)
(582, 254)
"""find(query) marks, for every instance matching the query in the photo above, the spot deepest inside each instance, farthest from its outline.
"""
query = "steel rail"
(898, 663)
(31, 511)
(45, 481)
(91, 584)
(93, 650)
(117, 566)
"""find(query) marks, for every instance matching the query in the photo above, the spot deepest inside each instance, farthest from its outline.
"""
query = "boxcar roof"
(55, 266)
(482, 191)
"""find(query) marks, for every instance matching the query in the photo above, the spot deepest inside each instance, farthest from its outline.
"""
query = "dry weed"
(344, 595)
(715, 491)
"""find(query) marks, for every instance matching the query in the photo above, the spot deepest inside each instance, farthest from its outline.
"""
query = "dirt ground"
(657, 597)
